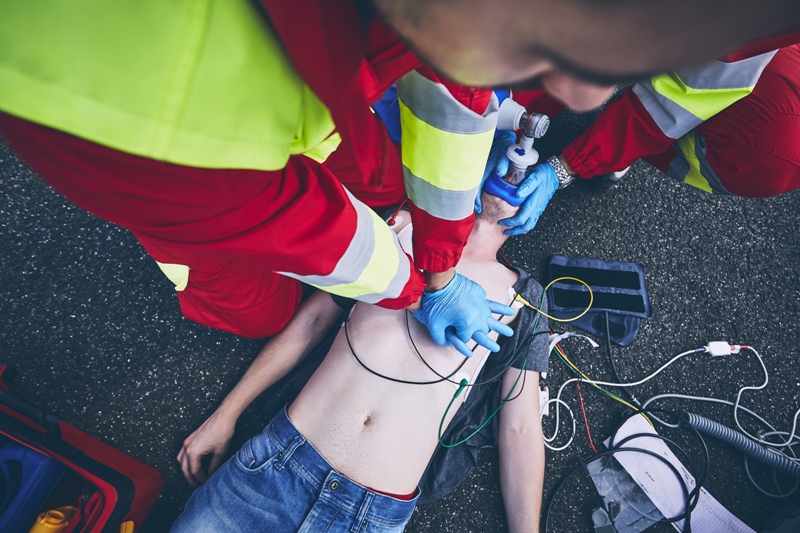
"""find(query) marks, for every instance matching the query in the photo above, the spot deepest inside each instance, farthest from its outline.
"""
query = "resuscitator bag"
(618, 288)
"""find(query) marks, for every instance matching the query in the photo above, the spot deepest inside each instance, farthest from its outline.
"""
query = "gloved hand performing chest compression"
(460, 312)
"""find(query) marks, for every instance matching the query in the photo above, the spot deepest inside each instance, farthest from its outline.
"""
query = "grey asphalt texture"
(96, 333)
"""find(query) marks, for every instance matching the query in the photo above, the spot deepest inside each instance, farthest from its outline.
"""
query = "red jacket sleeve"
(622, 133)
(447, 134)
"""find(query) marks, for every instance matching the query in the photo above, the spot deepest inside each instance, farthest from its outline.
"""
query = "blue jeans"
(278, 482)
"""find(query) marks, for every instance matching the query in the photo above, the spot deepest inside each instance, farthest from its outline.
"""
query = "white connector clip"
(544, 401)
(721, 348)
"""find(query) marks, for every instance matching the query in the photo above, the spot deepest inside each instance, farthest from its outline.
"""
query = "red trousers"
(233, 228)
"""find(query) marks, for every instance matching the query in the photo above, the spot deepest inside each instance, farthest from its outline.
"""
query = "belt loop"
(361, 517)
(280, 460)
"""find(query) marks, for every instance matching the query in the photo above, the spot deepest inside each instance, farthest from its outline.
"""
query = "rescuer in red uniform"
(236, 219)
(236, 142)
(746, 148)
(727, 127)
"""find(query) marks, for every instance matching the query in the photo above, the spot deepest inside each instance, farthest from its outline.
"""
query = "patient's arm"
(280, 355)
(521, 449)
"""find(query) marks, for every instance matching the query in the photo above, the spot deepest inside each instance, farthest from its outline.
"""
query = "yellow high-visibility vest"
(195, 82)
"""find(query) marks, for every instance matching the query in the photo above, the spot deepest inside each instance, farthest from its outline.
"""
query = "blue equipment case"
(618, 288)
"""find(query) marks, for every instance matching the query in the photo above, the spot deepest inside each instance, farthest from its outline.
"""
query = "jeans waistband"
(333, 486)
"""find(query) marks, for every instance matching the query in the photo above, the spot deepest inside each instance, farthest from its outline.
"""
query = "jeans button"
(333, 486)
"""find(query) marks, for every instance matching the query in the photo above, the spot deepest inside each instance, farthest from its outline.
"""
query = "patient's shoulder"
(495, 278)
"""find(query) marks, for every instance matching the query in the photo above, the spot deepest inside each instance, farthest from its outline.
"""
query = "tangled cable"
(785, 446)
(464, 383)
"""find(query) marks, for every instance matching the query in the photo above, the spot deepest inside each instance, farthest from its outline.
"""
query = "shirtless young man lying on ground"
(340, 456)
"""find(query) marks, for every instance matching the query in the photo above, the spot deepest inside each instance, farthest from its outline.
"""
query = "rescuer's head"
(578, 50)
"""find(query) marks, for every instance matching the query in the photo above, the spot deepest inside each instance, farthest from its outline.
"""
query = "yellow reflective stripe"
(316, 129)
(449, 161)
(694, 177)
(323, 150)
(177, 274)
(372, 268)
(703, 103)
(207, 84)
(380, 271)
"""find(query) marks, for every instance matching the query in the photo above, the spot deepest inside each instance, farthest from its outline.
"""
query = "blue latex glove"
(497, 162)
(460, 312)
(540, 185)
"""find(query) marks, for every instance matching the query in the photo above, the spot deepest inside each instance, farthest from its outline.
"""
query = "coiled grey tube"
(745, 445)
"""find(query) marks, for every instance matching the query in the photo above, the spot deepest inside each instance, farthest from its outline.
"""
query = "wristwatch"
(564, 178)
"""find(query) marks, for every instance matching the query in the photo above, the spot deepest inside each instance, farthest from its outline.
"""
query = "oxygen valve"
(521, 155)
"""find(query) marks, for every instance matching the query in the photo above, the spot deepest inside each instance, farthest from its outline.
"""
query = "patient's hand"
(212, 438)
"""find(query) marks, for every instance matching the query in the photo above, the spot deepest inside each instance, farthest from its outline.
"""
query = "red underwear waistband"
(404, 497)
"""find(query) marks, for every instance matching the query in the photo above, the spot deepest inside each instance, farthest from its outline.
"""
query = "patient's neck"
(485, 240)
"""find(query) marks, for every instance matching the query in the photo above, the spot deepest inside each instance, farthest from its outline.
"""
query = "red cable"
(396, 212)
(509, 263)
(585, 420)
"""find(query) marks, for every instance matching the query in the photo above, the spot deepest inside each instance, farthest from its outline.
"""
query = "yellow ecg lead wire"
(565, 278)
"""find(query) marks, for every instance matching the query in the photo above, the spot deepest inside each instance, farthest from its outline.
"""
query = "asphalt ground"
(96, 333)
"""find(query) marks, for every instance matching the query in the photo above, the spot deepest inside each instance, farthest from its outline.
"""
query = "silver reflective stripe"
(447, 205)
(357, 256)
(706, 171)
(399, 281)
(680, 167)
(672, 119)
(721, 75)
(432, 103)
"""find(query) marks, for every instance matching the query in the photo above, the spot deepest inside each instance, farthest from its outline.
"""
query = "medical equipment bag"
(49, 466)
(619, 293)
